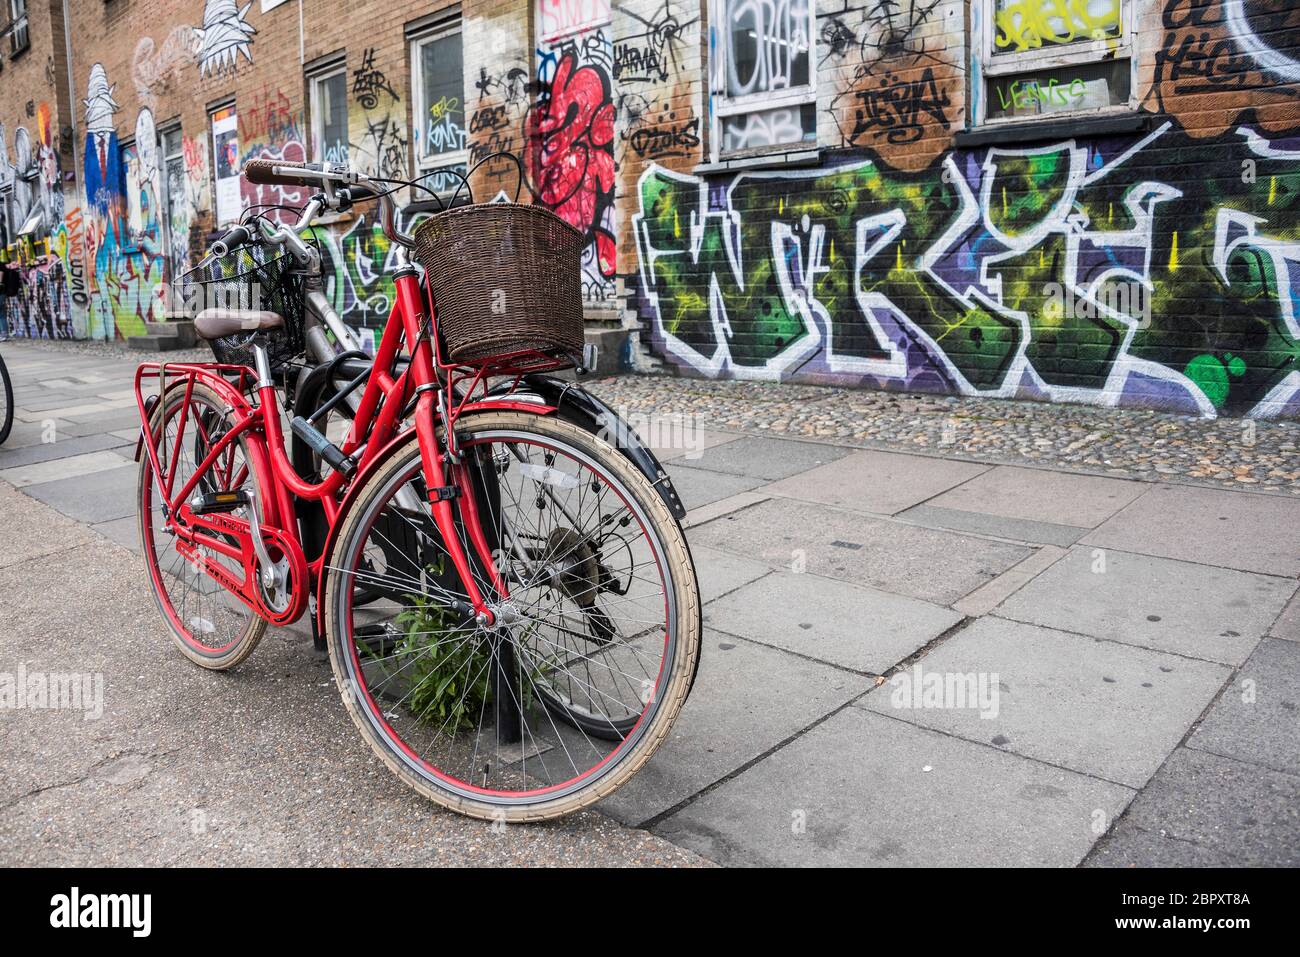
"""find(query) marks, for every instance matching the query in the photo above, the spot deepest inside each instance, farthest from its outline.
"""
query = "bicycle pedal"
(210, 502)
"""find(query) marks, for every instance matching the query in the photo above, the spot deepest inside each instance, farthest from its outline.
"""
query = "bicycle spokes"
(558, 682)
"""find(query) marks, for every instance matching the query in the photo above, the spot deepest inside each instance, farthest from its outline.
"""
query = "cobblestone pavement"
(1132, 444)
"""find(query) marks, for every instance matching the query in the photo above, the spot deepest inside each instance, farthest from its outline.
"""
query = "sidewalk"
(1132, 645)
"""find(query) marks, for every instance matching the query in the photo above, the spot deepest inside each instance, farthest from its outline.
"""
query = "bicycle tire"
(682, 634)
(182, 634)
(7, 413)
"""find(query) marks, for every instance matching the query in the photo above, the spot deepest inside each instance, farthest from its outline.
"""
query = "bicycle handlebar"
(357, 187)
(267, 172)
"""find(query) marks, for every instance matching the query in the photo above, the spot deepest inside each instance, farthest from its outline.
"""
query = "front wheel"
(590, 658)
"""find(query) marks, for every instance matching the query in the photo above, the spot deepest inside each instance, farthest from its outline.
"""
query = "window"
(763, 75)
(224, 123)
(1047, 57)
(329, 116)
(19, 39)
(176, 231)
(438, 72)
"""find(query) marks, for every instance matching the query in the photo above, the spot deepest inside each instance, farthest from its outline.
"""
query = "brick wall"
(944, 195)
(35, 161)
(1134, 251)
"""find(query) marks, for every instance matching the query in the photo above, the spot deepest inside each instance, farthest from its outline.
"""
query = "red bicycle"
(508, 602)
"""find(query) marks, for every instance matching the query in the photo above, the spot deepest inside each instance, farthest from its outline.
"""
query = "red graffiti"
(576, 129)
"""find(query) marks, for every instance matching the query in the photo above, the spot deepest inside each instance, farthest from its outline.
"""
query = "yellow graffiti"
(444, 107)
(1028, 24)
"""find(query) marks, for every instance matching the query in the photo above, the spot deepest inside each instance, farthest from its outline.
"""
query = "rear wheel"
(6, 402)
(588, 663)
(209, 625)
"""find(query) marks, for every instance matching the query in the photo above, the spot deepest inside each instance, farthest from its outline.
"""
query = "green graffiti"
(1084, 272)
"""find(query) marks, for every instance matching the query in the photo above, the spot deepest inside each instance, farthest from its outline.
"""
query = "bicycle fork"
(448, 480)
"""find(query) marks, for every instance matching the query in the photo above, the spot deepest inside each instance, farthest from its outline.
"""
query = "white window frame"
(419, 108)
(989, 64)
(164, 188)
(315, 98)
(19, 27)
(726, 106)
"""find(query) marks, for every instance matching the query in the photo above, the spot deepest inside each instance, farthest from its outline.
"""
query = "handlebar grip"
(360, 193)
(263, 172)
(234, 237)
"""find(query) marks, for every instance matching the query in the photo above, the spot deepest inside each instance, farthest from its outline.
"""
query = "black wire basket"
(255, 278)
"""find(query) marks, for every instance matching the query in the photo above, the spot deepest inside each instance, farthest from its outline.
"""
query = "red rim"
(161, 595)
(633, 735)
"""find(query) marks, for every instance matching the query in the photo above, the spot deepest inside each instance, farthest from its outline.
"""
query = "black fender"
(584, 410)
(577, 405)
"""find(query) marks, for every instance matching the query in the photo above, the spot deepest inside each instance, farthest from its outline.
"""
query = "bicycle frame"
(377, 427)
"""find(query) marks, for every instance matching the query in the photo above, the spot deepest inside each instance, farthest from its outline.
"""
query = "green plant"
(447, 669)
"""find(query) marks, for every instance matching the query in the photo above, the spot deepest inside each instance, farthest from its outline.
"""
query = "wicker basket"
(506, 278)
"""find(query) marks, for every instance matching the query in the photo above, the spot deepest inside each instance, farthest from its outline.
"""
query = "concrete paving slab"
(678, 436)
(873, 481)
(987, 597)
(1257, 719)
(698, 487)
(866, 790)
(1218, 614)
(74, 411)
(1205, 810)
(1037, 495)
(1288, 623)
(1255, 533)
(124, 531)
(719, 572)
(747, 699)
(46, 451)
(24, 435)
(766, 458)
(87, 463)
(98, 498)
(1097, 707)
(934, 566)
(852, 626)
(104, 422)
(723, 506)
(31, 533)
(978, 523)
(260, 765)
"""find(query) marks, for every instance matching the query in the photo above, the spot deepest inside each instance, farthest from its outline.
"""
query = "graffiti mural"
(1051, 272)
(1224, 46)
(898, 86)
(226, 35)
(573, 132)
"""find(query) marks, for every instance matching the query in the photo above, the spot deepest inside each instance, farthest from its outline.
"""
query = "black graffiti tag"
(651, 55)
(368, 81)
(897, 108)
(670, 139)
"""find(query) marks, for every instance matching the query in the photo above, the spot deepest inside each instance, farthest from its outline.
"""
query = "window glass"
(1023, 25)
(441, 123)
